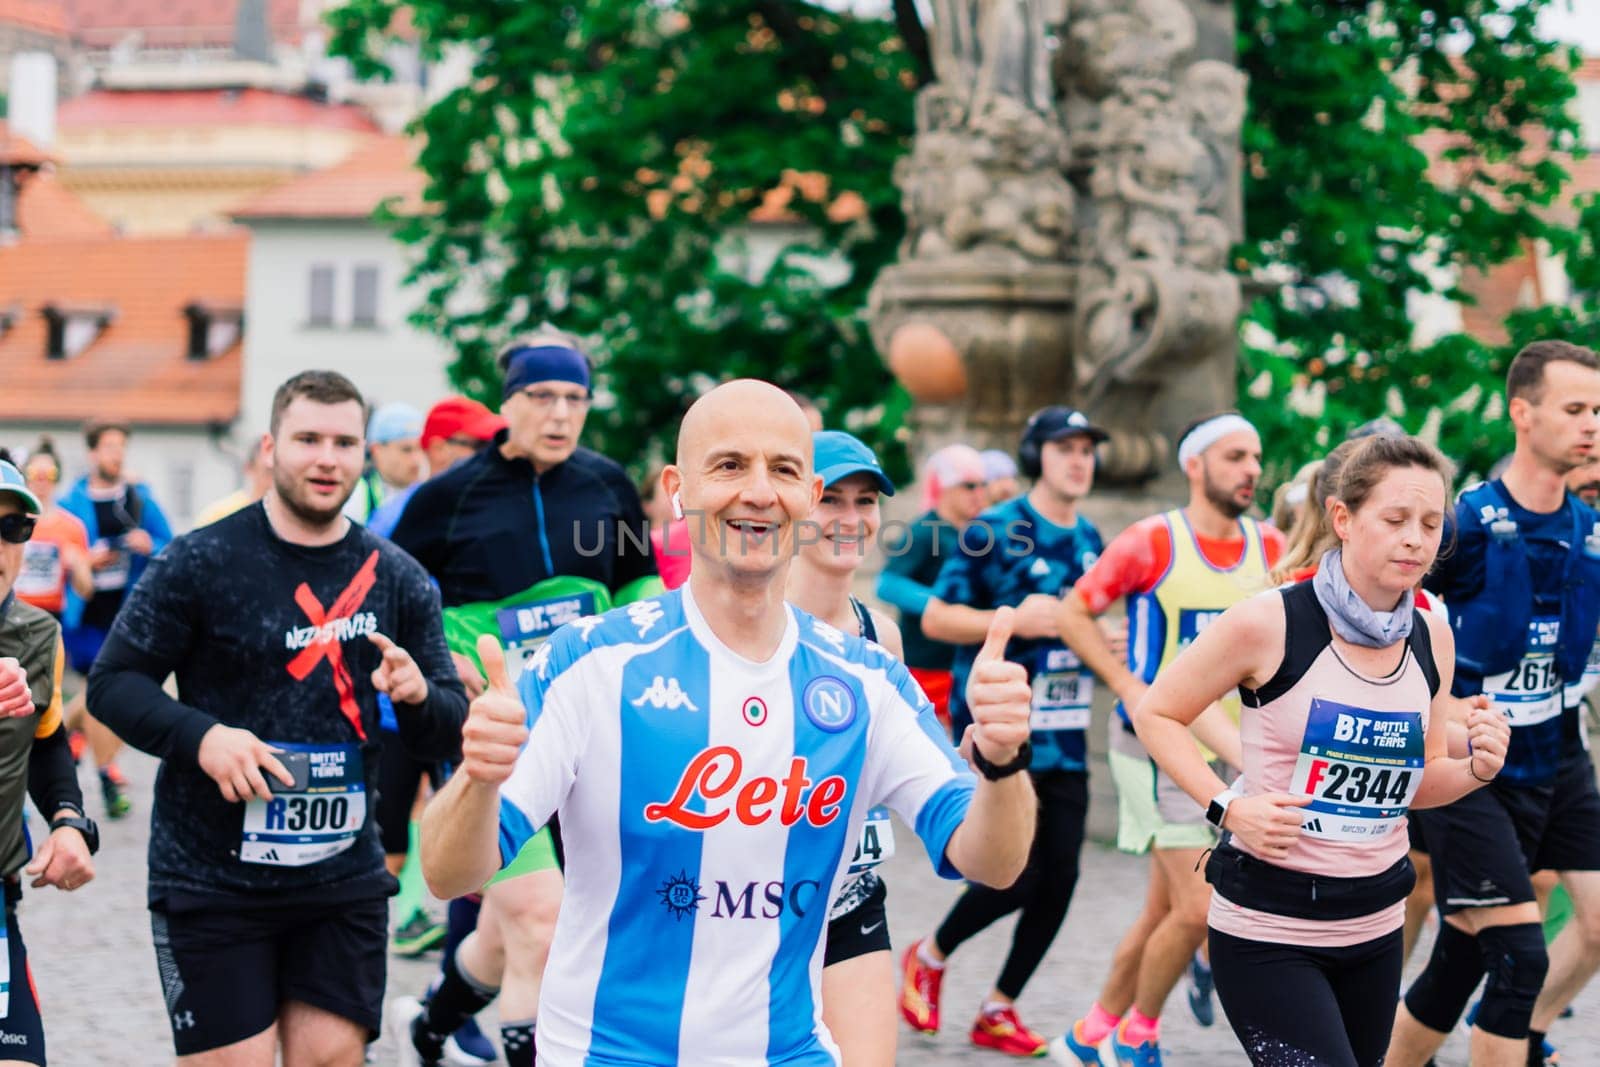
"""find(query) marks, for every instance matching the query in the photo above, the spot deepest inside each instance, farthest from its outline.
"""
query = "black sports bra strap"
(869, 629)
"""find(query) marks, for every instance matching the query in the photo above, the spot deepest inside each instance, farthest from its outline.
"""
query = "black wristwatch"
(994, 773)
(84, 825)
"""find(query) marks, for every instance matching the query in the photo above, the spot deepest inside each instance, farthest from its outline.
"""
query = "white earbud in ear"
(677, 506)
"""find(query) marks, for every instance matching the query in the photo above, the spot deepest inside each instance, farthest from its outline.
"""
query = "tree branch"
(915, 36)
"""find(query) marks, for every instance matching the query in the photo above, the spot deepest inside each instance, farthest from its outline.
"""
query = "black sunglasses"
(16, 529)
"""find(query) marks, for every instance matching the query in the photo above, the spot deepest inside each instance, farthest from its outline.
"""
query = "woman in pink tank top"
(1346, 694)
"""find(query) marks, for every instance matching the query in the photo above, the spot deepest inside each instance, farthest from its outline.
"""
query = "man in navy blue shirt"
(1522, 587)
(1023, 553)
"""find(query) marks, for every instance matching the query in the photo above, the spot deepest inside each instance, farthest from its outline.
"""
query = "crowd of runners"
(651, 748)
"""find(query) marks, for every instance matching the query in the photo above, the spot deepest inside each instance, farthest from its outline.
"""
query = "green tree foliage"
(1345, 216)
(593, 168)
(592, 171)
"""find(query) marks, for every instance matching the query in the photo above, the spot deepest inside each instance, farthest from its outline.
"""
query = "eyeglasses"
(16, 529)
(545, 399)
(51, 475)
(463, 442)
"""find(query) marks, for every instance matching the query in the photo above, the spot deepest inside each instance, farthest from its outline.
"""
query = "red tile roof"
(17, 151)
(138, 368)
(173, 23)
(47, 210)
(383, 169)
(43, 16)
(202, 107)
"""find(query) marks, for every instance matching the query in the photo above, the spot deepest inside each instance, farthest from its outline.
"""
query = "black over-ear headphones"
(1028, 461)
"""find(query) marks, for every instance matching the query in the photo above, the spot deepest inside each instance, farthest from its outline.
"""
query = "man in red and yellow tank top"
(1179, 571)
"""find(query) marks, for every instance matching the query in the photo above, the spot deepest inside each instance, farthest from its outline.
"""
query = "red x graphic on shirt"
(325, 646)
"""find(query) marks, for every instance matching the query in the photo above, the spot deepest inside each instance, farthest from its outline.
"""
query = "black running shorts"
(862, 929)
(1485, 845)
(21, 1030)
(227, 968)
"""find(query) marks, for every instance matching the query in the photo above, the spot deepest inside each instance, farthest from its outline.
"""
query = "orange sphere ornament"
(924, 360)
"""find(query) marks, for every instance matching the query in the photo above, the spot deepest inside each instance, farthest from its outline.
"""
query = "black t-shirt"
(490, 527)
(271, 637)
(113, 517)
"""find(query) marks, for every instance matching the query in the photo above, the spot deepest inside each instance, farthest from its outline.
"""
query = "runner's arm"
(154, 522)
(52, 772)
(1446, 779)
(153, 634)
(1244, 644)
(1081, 632)
(431, 730)
(897, 583)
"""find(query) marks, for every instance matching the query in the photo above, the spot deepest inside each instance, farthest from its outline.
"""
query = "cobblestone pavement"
(102, 1002)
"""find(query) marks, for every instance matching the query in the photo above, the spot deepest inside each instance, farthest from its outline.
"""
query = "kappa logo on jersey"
(342, 610)
(644, 614)
(539, 662)
(755, 711)
(719, 771)
(829, 634)
(585, 626)
(664, 695)
(829, 704)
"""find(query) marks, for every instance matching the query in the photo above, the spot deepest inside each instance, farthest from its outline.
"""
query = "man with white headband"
(1178, 570)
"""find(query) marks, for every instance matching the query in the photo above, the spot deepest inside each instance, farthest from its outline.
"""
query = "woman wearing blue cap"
(858, 992)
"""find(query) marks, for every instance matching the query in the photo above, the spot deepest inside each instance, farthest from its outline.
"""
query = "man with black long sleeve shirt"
(283, 622)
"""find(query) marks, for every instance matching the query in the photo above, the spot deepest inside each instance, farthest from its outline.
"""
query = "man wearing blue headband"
(527, 532)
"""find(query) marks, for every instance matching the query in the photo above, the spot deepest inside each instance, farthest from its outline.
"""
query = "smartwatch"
(993, 772)
(84, 825)
(1218, 808)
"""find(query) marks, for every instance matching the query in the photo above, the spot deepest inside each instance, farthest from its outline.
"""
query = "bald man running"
(713, 753)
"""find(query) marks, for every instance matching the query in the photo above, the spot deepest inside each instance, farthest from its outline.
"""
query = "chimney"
(32, 100)
(252, 33)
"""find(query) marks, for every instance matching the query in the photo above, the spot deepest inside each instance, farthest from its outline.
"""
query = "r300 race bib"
(1530, 692)
(322, 818)
(1062, 692)
(1361, 768)
(876, 843)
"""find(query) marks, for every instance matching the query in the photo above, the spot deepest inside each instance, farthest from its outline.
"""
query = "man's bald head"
(730, 408)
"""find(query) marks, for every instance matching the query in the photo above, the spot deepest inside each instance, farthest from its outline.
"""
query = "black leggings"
(1294, 1006)
(399, 775)
(1042, 893)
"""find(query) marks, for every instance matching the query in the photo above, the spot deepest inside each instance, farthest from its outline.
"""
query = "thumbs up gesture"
(998, 695)
(398, 675)
(497, 723)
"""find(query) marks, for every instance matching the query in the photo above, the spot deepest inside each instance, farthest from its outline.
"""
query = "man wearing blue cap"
(1024, 553)
(394, 445)
(534, 509)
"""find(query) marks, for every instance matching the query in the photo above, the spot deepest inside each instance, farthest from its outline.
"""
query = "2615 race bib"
(1530, 692)
(1360, 767)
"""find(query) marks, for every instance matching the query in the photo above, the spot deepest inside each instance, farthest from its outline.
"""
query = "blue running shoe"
(1145, 1055)
(1200, 992)
(1070, 1050)
(469, 1047)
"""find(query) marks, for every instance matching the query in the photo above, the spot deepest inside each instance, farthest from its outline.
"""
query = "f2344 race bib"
(320, 816)
(1361, 768)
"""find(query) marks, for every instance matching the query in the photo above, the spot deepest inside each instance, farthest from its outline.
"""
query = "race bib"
(524, 627)
(876, 843)
(1360, 768)
(1191, 621)
(41, 570)
(1530, 692)
(5, 970)
(319, 817)
(114, 575)
(1062, 692)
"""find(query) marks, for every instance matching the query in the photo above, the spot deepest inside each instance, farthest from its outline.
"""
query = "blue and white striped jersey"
(708, 808)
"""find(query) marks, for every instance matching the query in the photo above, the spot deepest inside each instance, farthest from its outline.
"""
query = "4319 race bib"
(1062, 691)
(320, 817)
(1361, 768)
